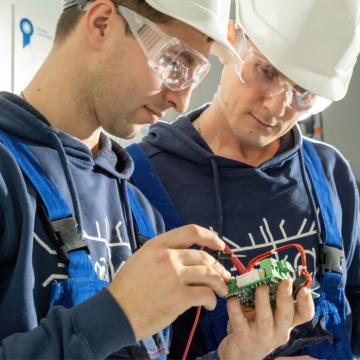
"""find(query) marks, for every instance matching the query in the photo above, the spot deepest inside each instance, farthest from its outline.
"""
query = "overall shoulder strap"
(147, 180)
(331, 252)
(57, 218)
(145, 228)
(315, 169)
(53, 201)
(330, 257)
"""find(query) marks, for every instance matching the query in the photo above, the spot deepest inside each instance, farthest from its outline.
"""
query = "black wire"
(219, 255)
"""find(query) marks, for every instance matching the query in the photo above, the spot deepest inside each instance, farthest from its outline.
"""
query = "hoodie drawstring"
(69, 178)
(75, 199)
(219, 213)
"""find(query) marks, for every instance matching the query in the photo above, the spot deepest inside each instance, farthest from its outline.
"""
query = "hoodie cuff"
(101, 322)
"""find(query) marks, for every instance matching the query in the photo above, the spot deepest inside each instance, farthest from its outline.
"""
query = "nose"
(178, 100)
(277, 104)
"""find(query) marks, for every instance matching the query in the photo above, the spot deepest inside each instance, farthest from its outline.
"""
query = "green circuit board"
(270, 272)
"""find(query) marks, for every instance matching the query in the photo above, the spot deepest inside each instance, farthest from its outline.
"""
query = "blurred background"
(26, 34)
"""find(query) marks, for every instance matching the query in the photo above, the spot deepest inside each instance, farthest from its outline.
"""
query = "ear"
(98, 20)
(231, 36)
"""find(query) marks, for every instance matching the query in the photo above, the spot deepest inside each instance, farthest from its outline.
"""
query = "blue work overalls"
(83, 281)
(328, 339)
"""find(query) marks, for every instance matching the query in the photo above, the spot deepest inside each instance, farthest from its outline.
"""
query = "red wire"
(193, 327)
(192, 332)
(304, 271)
(236, 262)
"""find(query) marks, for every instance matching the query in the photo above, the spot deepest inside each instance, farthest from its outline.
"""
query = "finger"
(237, 321)
(284, 313)
(201, 296)
(229, 329)
(204, 276)
(186, 236)
(196, 257)
(191, 257)
(264, 315)
(305, 310)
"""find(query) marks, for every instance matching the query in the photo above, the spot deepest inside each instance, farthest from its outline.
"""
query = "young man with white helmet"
(241, 167)
(68, 218)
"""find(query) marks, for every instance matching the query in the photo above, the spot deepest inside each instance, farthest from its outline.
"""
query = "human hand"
(252, 339)
(164, 278)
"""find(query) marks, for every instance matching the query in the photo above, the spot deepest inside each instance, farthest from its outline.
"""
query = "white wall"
(47, 7)
(342, 124)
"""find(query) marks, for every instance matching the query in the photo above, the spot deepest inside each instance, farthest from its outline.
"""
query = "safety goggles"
(174, 62)
(260, 75)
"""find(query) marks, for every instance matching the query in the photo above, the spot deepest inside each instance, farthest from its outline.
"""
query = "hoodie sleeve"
(28, 330)
(344, 194)
(91, 330)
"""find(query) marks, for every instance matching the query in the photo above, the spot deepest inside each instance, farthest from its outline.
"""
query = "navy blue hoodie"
(28, 260)
(255, 209)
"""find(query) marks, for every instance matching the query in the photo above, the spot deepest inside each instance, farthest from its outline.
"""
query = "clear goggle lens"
(260, 75)
(175, 63)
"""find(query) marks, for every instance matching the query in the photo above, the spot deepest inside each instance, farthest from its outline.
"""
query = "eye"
(302, 93)
(175, 66)
(174, 72)
(269, 72)
(264, 72)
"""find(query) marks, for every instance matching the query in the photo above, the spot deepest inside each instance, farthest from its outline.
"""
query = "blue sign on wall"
(27, 30)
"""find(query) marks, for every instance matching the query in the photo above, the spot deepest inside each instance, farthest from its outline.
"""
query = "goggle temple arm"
(149, 36)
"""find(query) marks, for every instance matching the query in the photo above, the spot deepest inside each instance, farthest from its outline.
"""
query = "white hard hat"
(211, 17)
(208, 16)
(315, 43)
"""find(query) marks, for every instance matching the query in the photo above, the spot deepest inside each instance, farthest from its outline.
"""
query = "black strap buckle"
(330, 259)
(64, 233)
(140, 240)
